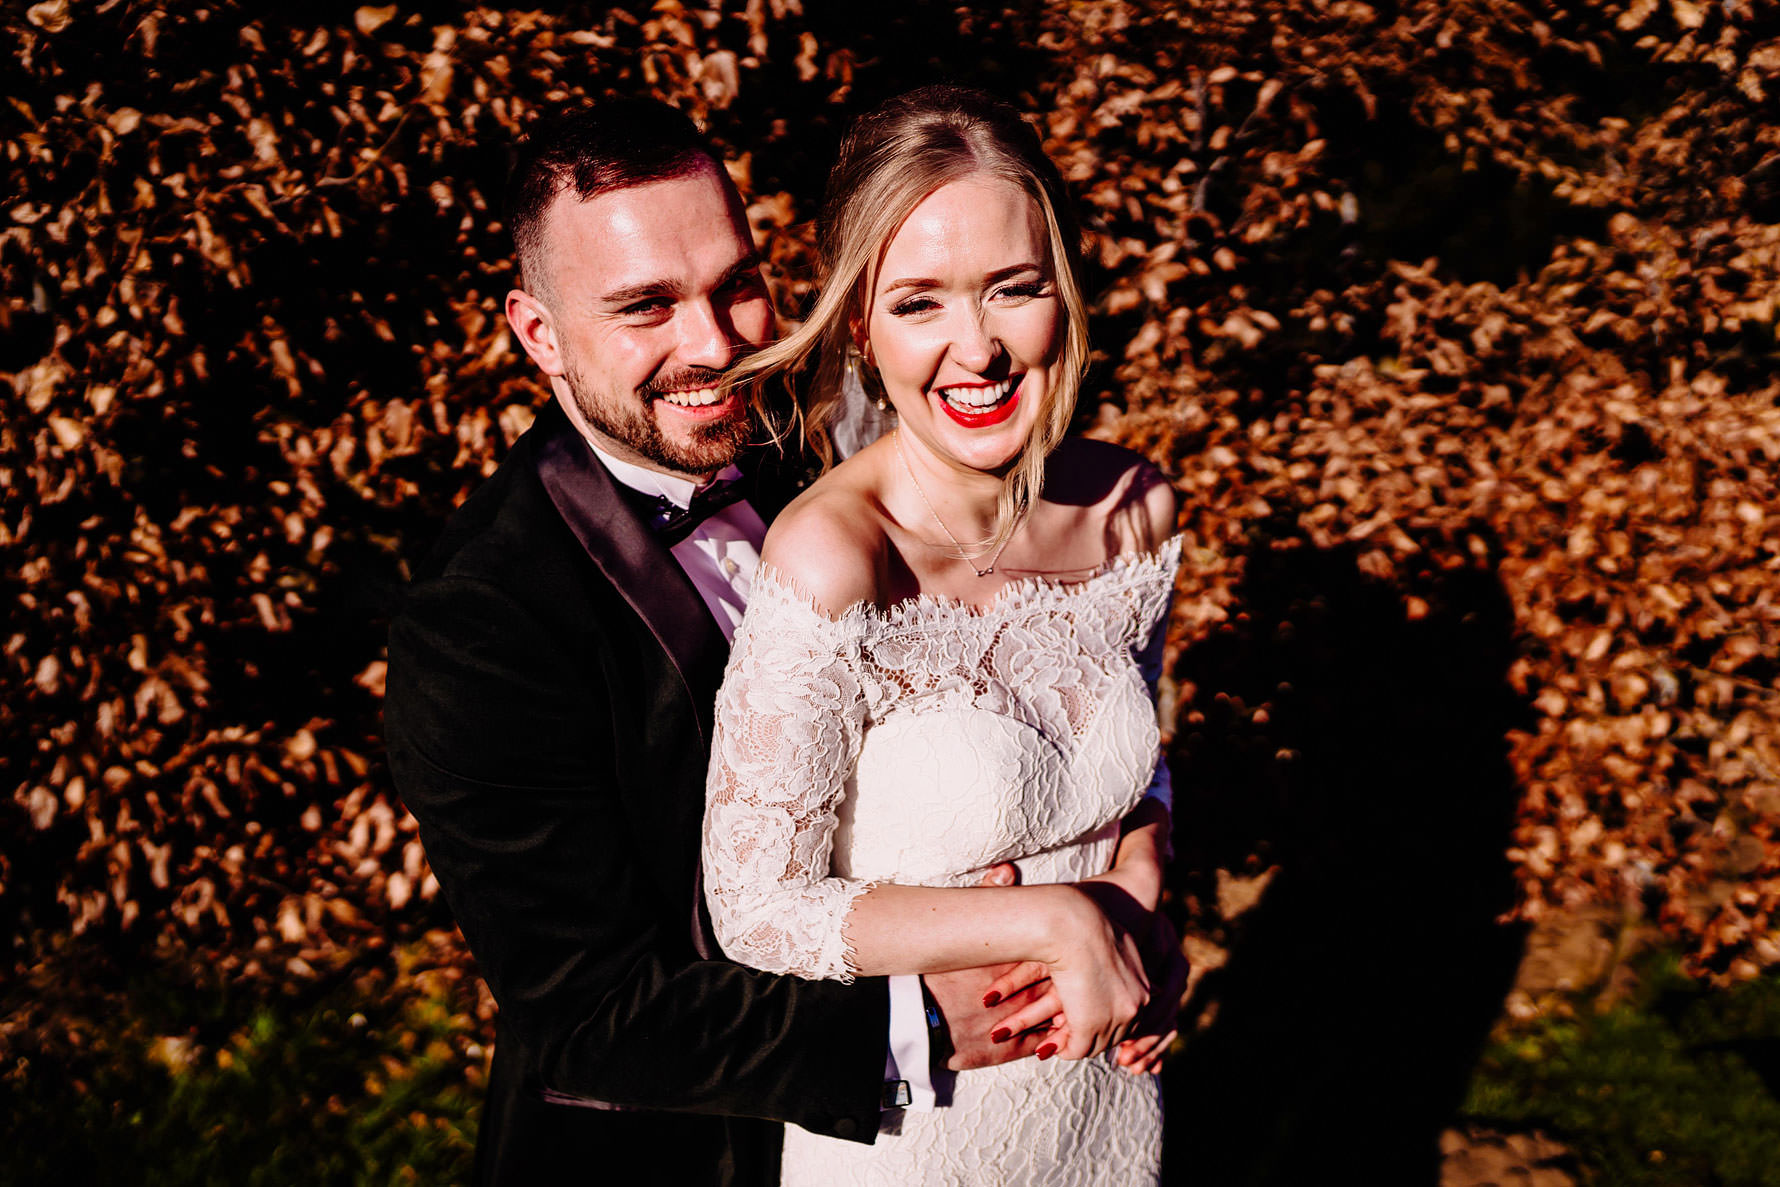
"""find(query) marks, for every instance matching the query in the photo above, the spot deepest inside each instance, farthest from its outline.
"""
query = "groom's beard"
(706, 448)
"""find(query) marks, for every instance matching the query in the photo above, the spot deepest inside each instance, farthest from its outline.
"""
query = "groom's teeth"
(701, 398)
(978, 395)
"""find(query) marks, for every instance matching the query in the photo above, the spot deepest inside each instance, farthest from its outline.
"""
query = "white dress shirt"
(719, 556)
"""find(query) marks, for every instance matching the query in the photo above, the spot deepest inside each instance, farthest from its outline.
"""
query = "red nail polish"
(991, 998)
(1048, 1050)
(1000, 1034)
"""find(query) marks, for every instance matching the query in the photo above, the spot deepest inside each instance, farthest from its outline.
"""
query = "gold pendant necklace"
(963, 553)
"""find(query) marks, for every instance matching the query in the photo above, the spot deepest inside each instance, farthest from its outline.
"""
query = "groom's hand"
(970, 1024)
(1169, 972)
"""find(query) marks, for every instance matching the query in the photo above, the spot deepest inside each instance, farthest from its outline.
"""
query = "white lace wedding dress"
(920, 745)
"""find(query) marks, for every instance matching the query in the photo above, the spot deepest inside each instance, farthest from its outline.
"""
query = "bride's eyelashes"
(909, 306)
(1027, 290)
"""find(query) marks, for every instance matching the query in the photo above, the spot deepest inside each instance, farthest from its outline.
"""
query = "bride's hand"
(1017, 977)
(1098, 979)
(1042, 1011)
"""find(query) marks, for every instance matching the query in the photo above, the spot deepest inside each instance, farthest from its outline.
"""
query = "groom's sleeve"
(504, 743)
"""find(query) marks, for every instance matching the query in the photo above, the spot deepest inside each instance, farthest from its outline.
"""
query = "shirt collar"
(674, 489)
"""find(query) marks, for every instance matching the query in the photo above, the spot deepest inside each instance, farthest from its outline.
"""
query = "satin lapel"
(643, 571)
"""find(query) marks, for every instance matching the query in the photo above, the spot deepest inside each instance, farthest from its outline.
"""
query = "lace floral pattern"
(929, 740)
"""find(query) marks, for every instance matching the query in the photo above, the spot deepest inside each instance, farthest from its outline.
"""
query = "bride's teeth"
(985, 396)
(704, 397)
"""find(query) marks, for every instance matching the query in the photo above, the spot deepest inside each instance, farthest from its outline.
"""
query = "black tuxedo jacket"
(552, 674)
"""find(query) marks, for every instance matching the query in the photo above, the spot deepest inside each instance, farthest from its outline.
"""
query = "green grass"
(376, 1081)
(1664, 1090)
(356, 1085)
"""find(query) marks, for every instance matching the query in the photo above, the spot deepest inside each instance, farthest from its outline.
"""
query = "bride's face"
(965, 325)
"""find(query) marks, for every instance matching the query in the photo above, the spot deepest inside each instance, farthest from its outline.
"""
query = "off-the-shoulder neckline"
(1020, 591)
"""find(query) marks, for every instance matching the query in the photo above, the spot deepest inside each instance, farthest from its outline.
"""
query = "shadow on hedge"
(1359, 991)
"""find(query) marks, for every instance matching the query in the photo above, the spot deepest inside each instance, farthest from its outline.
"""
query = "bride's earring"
(853, 382)
(861, 418)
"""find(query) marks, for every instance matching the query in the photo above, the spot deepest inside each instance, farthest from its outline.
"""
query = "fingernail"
(1048, 1050)
(1000, 1034)
(991, 998)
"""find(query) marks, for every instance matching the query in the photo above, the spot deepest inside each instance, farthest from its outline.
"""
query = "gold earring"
(853, 379)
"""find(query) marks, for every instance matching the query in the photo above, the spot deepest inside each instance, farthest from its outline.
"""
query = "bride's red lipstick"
(982, 420)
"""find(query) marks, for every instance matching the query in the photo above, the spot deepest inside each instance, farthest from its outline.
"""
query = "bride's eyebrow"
(923, 282)
(1008, 273)
(927, 282)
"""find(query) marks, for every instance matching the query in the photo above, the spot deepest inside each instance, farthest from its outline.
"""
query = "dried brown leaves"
(1471, 286)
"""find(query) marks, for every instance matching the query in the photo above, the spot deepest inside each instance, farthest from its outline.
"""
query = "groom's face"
(654, 290)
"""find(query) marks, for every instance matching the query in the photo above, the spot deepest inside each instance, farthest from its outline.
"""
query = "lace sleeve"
(789, 718)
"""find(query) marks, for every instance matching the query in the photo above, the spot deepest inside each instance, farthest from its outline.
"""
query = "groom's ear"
(531, 324)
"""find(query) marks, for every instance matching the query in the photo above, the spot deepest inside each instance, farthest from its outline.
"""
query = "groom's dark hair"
(605, 146)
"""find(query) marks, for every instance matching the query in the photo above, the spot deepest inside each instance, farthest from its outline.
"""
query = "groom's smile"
(652, 292)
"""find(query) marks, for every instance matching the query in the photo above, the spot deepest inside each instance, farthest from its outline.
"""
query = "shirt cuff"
(909, 1054)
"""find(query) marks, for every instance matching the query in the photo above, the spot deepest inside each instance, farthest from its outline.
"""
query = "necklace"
(963, 552)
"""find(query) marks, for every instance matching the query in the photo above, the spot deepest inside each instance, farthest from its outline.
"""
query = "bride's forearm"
(1095, 969)
(895, 929)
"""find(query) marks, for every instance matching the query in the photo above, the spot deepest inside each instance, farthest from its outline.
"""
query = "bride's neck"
(967, 501)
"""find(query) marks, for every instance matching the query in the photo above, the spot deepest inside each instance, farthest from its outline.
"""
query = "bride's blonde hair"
(891, 160)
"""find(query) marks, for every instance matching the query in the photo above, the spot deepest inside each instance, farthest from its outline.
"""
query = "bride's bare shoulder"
(1134, 497)
(830, 544)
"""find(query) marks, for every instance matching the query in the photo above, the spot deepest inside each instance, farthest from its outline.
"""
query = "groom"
(552, 675)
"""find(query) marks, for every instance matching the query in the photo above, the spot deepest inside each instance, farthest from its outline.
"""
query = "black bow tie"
(672, 524)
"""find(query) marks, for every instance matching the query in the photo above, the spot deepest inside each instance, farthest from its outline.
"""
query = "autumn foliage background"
(1454, 323)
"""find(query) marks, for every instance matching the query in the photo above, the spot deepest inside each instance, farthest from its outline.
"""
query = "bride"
(948, 661)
